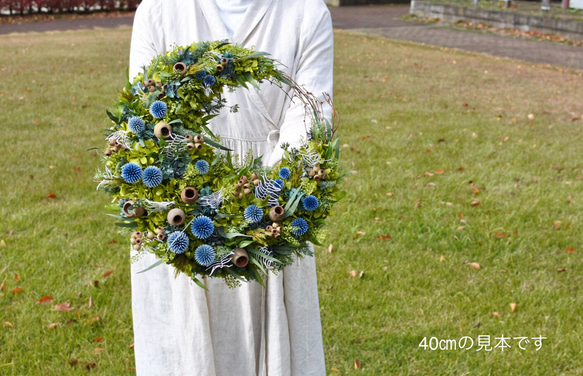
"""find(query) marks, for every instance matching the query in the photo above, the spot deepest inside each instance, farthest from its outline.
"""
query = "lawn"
(462, 219)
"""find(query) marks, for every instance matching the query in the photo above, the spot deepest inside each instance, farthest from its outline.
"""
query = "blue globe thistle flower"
(131, 173)
(152, 177)
(178, 242)
(158, 109)
(204, 255)
(278, 183)
(310, 203)
(202, 166)
(202, 227)
(253, 213)
(200, 75)
(136, 124)
(210, 80)
(284, 173)
(301, 226)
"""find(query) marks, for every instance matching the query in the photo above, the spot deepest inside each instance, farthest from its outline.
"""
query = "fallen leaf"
(361, 274)
(360, 233)
(90, 365)
(530, 116)
(561, 270)
(51, 195)
(499, 234)
(476, 190)
(54, 325)
(557, 225)
(73, 362)
(476, 203)
(441, 259)
(17, 290)
(570, 250)
(112, 242)
(2, 244)
(45, 299)
(64, 307)
(496, 314)
(352, 273)
(389, 194)
(474, 265)
(334, 370)
(17, 277)
(91, 302)
(378, 219)
(384, 237)
(330, 248)
(98, 350)
(107, 273)
(77, 169)
(70, 321)
(93, 320)
(512, 307)
(356, 364)
(98, 339)
(9, 324)
(439, 171)
(131, 346)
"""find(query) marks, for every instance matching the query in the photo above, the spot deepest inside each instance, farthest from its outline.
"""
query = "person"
(180, 328)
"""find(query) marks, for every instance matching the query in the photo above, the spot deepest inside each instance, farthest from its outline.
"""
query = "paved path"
(385, 21)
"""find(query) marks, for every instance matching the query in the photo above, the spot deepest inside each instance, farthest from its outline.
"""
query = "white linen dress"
(179, 328)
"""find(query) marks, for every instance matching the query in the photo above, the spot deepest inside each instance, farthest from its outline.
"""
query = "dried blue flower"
(158, 109)
(136, 124)
(204, 255)
(210, 80)
(300, 226)
(278, 183)
(202, 227)
(310, 203)
(253, 213)
(131, 173)
(284, 173)
(202, 166)
(178, 242)
(152, 177)
(200, 75)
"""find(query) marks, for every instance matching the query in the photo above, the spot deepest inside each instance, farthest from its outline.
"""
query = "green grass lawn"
(452, 158)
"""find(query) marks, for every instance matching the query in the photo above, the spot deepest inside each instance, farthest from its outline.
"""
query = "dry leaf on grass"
(356, 364)
(474, 265)
(45, 299)
(330, 247)
(360, 233)
(335, 370)
(54, 325)
(9, 324)
(352, 273)
(496, 314)
(512, 307)
(64, 307)
(107, 273)
(441, 259)
(98, 350)
(17, 290)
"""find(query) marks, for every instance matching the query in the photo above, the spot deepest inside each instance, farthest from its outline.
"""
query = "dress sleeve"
(147, 35)
(314, 73)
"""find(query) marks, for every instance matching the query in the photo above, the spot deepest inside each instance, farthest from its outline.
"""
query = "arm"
(314, 73)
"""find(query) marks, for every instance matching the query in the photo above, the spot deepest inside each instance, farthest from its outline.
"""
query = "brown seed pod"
(220, 68)
(180, 68)
(276, 213)
(160, 230)
(269, 228)
(256, 182)
(224, 61)
(151, 235)
(176, 217)
(132, 213)
(197, 146)
(115, 149)
(149, 82)
(254, 176)
(108, 152)
(246, 191)
(163, 130)
(137, 234)
(137, 247)
(199, 139)
(161, 236)
(113, 142)
(240, 257)
(317, 178)
(190, 146)
(189, 195)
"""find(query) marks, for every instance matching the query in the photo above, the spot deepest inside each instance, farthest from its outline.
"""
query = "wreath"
(178, 190)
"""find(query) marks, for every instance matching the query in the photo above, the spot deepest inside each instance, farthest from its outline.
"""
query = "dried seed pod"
(199, 139)
(139, 241)
(276, 213)
(163, 130)
(189, 195)
(188, 137)
(240, 257)
(115, 149)
(317, 178)
(190, 146)
(180, 68)
(224, 61)
(108, 152)
(137, 247)
(160, 230)
(244, 178)
(137, 234)
(256, 182)
(132, 213)
(151, 235)
(246, 191)
(220, 68)
(149, 82)
(161, 236)
(152, 89)
(113, 142)
(269, 228)
(254, 176)
(197, 146)
(176, 217)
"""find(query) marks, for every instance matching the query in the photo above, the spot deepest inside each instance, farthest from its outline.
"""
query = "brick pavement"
(384, 21)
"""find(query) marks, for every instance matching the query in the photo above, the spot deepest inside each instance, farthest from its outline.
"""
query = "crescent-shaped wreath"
(178, 189)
